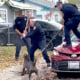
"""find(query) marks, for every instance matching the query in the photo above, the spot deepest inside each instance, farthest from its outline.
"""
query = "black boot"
(66, 45)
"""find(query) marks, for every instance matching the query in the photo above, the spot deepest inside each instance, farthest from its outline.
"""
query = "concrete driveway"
(14, 72)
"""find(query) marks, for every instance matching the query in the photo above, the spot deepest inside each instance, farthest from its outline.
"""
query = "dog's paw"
(23, 73)
(34, 76)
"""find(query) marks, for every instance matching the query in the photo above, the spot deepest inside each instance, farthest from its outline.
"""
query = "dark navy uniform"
(20, 24)
(38, 41)
(72, 19)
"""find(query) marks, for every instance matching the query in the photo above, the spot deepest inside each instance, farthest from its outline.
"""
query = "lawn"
(7, 55)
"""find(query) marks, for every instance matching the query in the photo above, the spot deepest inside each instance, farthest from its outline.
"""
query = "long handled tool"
(51, 40)
(28, 56)
(25, 27)
(30, 62)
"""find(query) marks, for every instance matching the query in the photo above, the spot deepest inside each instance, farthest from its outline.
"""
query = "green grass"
(7, 54)
(9, 51)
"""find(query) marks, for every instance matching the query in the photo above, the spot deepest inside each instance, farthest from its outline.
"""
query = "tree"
(77, 2)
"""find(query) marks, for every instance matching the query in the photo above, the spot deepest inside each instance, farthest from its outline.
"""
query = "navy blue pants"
(72, 24)
(19, 42)
(39, 45)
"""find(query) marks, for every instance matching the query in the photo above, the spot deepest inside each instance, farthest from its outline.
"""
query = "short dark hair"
(19, 10)
(58, 3)
(30, 19)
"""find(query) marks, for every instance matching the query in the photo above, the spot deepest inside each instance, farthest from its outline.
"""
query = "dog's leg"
(37, 74)
(23, 72)
(29, 76)
(35, 77)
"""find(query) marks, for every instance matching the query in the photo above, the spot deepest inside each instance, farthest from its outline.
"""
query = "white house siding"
(9, 13)
(26, 7)
(34, 9)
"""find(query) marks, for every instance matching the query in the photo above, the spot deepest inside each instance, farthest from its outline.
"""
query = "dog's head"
(26, 57)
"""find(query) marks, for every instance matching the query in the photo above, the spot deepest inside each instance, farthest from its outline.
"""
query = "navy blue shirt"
(36, 35)
(69, 11)
(20, 23)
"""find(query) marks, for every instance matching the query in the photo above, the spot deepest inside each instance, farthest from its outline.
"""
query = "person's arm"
(36, 29)
(18, 32)
(66, 13)
(15, 28)
(32, 33)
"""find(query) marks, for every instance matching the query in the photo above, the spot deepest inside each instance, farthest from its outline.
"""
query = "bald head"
(31, 21)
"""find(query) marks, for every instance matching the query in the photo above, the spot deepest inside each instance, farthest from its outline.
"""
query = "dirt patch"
(14, 72)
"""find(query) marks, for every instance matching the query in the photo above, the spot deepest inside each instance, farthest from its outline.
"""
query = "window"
(27, 12)
(31, 12)
(3, 15)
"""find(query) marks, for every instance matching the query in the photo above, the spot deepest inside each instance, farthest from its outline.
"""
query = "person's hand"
(25, 32)
(34, 28)
(23, 35)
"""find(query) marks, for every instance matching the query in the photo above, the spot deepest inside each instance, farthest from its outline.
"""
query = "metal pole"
(8, 37)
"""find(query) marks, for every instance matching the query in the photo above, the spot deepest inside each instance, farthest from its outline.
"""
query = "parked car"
(8, 35)
(66, 59)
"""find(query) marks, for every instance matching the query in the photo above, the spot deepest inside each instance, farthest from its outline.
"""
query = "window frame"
(6, 13)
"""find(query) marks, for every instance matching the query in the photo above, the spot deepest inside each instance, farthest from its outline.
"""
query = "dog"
(30, 66)
(49, 76)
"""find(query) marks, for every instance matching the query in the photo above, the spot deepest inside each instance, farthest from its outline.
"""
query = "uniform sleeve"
(67, 14)
(33, 32)
(65, 18)
(69, 11)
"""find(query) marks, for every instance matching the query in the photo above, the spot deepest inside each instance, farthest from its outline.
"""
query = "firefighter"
(37, 40)
(71, 18)
(19, 27)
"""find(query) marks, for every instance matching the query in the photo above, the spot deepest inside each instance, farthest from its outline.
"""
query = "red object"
(68, 59)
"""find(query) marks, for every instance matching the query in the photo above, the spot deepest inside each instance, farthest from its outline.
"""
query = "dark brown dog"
(31, 68)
